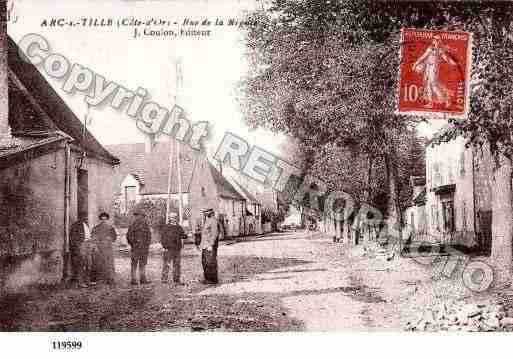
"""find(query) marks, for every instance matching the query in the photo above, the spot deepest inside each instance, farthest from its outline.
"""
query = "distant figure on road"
(197, 235)
(79, 243)
(139, 239)
(208, 246)
(104, 235)
(171, 238)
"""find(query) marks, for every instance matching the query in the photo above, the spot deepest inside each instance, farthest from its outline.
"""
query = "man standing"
(208, 245)
(171, 238)
(139, 239)
(78, 239)
(104, 235)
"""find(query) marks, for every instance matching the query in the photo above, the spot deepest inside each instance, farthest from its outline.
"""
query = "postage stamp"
(434, 73)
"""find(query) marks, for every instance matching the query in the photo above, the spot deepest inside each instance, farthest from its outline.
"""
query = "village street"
(276, 282)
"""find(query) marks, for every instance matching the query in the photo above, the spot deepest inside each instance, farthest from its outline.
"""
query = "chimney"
(5, 130)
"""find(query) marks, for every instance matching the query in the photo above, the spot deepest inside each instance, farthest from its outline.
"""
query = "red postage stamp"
(434, 73)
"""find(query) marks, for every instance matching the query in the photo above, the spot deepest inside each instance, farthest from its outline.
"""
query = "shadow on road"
(267, 237)
(237, 267)
(156, 306)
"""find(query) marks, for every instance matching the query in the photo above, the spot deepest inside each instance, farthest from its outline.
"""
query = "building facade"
(209, 189)
(144, 173)
(253, 211)
(52, 170)
(455, 207)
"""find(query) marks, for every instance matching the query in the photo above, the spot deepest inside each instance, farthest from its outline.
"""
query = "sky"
(212, 65)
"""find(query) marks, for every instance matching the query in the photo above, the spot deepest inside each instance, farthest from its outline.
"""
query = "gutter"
(67, 205)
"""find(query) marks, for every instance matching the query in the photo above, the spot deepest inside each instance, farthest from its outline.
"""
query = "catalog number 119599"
(67, 345)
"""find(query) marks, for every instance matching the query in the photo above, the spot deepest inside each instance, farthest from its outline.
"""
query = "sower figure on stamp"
(172, 236)
(208, 246)
(104, 235)
(79, 241)
(139, 239)
(429, 64)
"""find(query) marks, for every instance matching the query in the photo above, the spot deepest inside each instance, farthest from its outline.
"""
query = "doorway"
(82, 192)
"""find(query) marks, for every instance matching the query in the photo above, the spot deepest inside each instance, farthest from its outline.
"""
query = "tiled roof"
(27, 145)
(34, 105)
(152, 169)
(25, 115)
(224, 188)
(248, 195)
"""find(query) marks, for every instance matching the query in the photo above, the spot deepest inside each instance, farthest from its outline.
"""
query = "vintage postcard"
(255, 166)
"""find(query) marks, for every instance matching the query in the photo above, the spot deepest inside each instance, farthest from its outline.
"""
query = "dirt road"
(284, 281)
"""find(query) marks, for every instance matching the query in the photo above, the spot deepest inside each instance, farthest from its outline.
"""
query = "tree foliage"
(323, 74)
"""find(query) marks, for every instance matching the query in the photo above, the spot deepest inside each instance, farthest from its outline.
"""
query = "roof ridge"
(245, 191)
(52, 104)
(223, 183)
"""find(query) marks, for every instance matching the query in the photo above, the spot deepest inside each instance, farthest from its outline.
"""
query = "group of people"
(92, 253)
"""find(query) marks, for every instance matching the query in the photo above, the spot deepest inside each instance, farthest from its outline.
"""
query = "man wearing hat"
(171, 238)
(104, 235)
(139, 239)
(79, 238)
(208, 246)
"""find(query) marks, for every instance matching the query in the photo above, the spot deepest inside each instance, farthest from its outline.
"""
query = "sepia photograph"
(277, 166)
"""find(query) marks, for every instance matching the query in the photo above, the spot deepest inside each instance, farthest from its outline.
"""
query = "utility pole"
(168, 203)
(179, 86)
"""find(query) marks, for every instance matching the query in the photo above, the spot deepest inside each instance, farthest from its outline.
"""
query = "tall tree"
(318, 77)
(324, 71)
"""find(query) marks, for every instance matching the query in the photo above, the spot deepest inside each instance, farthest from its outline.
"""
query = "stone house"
(51, 167)
(210, 189)
(415, 214)
(454, 207)
(253, 215)
(144, 172)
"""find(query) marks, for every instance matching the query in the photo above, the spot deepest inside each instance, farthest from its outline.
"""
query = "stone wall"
(32, 240)
(33, 230)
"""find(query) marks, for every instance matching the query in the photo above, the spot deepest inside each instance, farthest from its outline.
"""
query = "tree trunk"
(502, 226)
(366, 231)
(393, 210)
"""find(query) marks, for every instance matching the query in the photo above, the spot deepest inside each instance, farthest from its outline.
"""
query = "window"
(462, 164)
(464, 214)
(130, 193)
(203, 192)
(437, 219)
(233, 207)
(412, 220)
(448, 215)
(450, 175)
(82, 192)
(436, 179)
(130, 197)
